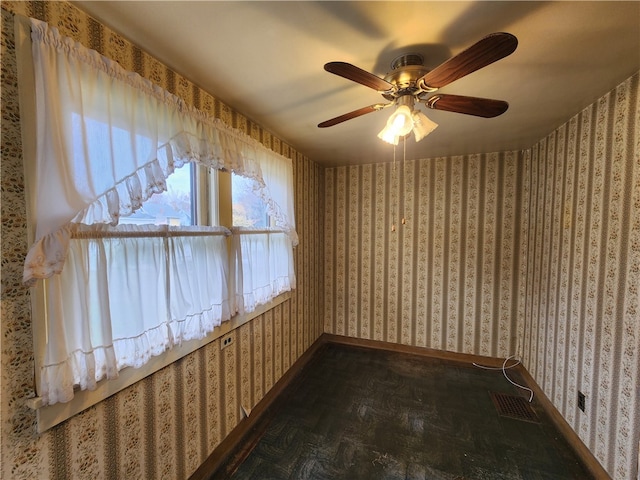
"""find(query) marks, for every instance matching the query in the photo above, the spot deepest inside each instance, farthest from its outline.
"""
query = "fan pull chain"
(393, 186)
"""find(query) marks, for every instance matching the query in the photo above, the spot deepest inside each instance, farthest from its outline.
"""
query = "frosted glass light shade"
(399, 124)
(388, 136)
(402, 120)
(422, 125)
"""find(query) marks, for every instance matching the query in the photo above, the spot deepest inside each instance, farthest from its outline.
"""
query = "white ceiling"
(265, 59)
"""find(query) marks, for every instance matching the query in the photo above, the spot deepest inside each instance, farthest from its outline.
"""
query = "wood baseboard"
(423, 351)
(590, 462)
(587, 458)
(234, 441)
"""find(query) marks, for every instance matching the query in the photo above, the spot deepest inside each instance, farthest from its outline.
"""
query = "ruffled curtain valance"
(107, 139)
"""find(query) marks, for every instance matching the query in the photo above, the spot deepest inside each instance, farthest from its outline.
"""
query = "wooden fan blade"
(491, 48)
(354, 114)
(480, 107)
(351, 72)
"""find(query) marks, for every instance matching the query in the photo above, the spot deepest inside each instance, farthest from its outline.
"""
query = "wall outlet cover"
(226, 341)
(581, 401)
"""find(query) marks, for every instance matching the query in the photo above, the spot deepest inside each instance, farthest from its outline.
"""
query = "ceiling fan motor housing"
(406, 70)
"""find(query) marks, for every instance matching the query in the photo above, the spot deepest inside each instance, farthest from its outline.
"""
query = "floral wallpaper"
(582, 315)
(166, 425)
(534, 253)
(448, 277)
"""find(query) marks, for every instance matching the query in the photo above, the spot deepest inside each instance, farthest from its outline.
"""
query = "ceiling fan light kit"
(410, 82)
(405, 120)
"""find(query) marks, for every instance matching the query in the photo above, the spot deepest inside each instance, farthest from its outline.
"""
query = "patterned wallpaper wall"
(449, 277)
(166, 425)
(582, 327)
(535, 253)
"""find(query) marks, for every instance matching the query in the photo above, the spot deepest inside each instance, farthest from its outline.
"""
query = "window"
(156, 281)
(249, 209)
(124, 274)
(263, 255)
(175, 207)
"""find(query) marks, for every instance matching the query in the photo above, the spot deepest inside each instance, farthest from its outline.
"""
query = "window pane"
(248, 209)
(173, 207)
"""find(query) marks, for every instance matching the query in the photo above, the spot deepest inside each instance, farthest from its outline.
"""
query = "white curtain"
(275, 188)
(139, 290)
(263, 262)
(198, 289)
(106, 140)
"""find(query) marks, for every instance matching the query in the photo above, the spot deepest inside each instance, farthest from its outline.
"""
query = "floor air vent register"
(513, 406)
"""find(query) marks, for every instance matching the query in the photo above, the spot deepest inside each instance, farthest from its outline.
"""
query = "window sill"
(51, 415)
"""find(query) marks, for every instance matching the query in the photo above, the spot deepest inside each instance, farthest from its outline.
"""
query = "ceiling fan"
(410, 81)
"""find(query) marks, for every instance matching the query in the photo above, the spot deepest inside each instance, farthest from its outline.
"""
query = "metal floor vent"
(513, 406)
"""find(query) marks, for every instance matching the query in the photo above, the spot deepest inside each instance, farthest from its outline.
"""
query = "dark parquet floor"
(357, 413)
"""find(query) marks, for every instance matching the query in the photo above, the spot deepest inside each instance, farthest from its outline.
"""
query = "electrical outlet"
(581, 401)
(226, 341)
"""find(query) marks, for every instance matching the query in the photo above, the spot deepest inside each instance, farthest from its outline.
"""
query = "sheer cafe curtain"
(107, 139)
(263, 258)
(263, 262)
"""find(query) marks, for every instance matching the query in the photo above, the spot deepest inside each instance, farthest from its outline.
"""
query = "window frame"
(49, 416)
(213, 205)
(218, 211)
(268, 220)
